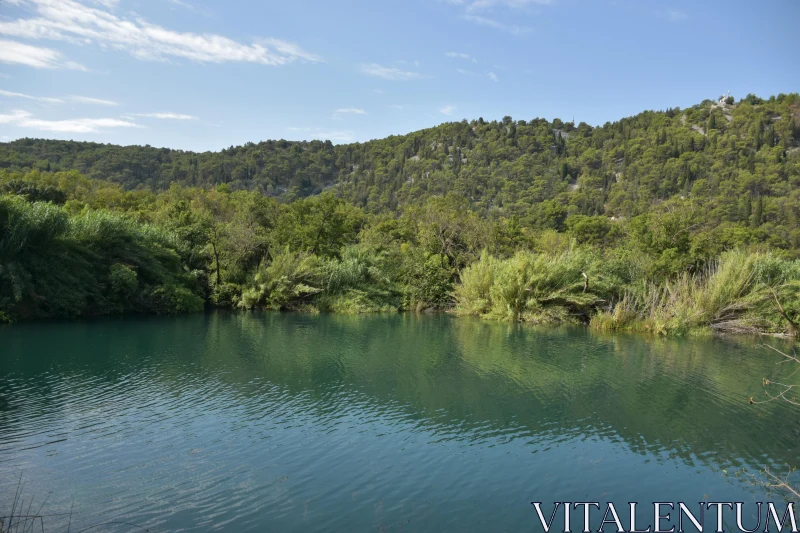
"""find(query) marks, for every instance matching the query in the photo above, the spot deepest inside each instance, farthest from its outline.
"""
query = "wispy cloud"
(61, 100)
(348, 111)
(24, 119)
(389, 73)
(496, 24)
(45, 99)
(72, 21)
(447, 110)
(491, 75)
(88, 100)
(191, 7)
(166, 116)
(107, 3)
(460, 55)
(396, 106)
(478, 5)
(14, 52)
(674, 15)
(475, 11)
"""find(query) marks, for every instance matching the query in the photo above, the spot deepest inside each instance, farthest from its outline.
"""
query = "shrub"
(734, 294)
(473, 293)
(289, 280)
(534, 287)
(172, 299)
(123, 281)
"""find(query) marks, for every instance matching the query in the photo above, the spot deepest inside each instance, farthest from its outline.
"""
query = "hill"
(618, 169)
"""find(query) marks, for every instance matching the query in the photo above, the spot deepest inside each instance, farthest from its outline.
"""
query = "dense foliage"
(666, 221)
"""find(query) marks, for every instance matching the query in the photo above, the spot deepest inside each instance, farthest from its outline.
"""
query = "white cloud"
(377, 91)
(24, 119)
(348, 111)
(492, 76)
(447, 110)
(33, 56)
(88, 100)
(69, 20)
(14, 116)
(389, 73)
(64, 99)
(166, 116)
(352, 110)
(396, 106)
(44, 99)
(496, 24)
(460, 55)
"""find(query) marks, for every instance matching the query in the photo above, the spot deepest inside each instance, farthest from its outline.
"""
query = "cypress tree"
(757, 212)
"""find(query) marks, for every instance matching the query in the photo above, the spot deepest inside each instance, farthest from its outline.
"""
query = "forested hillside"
(739, 152)
(666, 222)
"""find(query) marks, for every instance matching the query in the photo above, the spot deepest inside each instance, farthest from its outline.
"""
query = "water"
(282, 422)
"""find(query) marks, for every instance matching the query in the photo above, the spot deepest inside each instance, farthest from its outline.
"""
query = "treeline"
(719, 253)
(70, 246)
(740, 159)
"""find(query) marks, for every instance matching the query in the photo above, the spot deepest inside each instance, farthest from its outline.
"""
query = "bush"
(473, 294)
(226, 295)
(172, 299)
(123, 281)
(428, 281)
(287, 282)
(733, 294)
(535, 287)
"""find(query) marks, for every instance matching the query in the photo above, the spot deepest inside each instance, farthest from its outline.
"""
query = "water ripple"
(252, 422)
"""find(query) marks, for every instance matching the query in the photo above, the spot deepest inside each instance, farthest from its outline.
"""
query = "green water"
(282, 422)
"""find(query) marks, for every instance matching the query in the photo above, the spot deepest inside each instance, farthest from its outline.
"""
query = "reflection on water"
(254, 422)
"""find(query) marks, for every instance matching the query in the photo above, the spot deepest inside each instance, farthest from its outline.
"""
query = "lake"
(288, 422)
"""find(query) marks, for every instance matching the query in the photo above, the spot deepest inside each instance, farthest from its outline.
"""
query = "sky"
(209, 74)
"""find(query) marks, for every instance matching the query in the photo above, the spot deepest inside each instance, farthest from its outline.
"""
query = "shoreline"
(451, 313)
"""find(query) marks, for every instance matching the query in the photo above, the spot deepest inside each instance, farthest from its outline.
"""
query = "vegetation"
(669, 222)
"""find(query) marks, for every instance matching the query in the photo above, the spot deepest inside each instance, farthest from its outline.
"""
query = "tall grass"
(735, 293)
(284, 283)
(56, 265)
(533, 287)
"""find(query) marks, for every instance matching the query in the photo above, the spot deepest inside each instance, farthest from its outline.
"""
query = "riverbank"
(186, 250)
(738, 292)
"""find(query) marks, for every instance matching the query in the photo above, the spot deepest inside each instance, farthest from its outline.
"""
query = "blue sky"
(207, 74)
